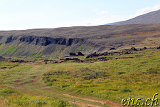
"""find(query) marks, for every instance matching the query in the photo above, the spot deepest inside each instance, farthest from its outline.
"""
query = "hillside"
(149, 18)
(61, 41)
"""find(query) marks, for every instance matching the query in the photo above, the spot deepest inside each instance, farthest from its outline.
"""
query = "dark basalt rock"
(72, 54)
(28, 39)
(71, 59)
(48, 61)
(92, 55)
(140, 49)
(76, 54)
(125, 51)
(158, 47)
(80, 54)
(10, 39)
(104, 54)
(133, 49)
(70, 41)
(44, 41)
(18, 61)
(2, 58)
(145, 48)
(112, 49)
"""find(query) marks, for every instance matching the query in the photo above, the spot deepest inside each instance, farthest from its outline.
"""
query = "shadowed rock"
(10, 39)
(44, 41)
(158, 47)
(92, 55)
(133, 49)
(112, 49)
(2, 58)
(76, 54)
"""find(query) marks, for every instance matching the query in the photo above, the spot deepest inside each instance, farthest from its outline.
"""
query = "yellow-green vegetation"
(132, 76)
(130, 36)
(73, 50)
(9, 72)
(11, 94)
(90, 47)
(9, 50)
(12, 98)
(1, 45)
(127, 76)
(80, 48)
(36, 55)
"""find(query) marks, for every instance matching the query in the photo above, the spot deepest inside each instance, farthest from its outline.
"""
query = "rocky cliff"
(62, 41)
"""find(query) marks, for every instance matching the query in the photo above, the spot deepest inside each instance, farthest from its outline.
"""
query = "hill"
(149, 18)
(61, 41)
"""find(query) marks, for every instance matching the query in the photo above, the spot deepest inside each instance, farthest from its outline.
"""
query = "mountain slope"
(149, 18)
(61, 41)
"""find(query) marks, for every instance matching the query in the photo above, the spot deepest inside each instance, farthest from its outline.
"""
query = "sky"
(29, 14)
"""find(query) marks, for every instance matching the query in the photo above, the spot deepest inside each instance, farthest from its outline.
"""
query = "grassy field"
(97, 84)
(10, 96)
(135, 77)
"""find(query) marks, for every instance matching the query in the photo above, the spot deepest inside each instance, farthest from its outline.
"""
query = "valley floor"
(98, 84)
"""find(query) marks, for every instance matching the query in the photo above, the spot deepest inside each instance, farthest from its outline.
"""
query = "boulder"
(133, 49)
(2, 58)
(158, 47)
(145, 48)
(112, 49)
(76, 54)
(92, 55)
(80, 54)
(72, 54)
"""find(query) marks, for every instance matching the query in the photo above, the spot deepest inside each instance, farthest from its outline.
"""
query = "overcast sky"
(27, 14)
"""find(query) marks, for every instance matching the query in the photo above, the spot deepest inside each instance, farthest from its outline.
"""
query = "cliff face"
(62, 41)
(44, 41)
(50, 46)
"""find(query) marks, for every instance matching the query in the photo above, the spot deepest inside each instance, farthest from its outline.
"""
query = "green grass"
(73, 50)
(7, 65)
(80, 48)
(136, 77)
(9, 50)
(35, 55)
(1, 46)
(90, 47)
(12, 97)
(9, 72)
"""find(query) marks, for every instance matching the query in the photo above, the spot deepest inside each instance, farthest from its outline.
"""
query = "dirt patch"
(106, 102)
